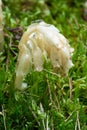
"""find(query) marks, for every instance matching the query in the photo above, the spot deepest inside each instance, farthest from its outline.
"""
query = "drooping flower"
(42, 39)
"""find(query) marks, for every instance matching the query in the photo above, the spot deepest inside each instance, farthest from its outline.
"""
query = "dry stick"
(4, 117)
(77, 126)
(70, 85)
(78, 120)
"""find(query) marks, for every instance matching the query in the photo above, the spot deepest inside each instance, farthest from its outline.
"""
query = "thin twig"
(78, 121)
(77, 126)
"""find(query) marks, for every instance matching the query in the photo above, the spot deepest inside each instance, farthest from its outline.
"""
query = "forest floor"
(50, 102)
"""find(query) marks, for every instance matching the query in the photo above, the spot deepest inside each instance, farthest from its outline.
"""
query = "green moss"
(22, 110)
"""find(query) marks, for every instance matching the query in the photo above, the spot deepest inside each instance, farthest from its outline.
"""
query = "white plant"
(1, 28)
(42, 39)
